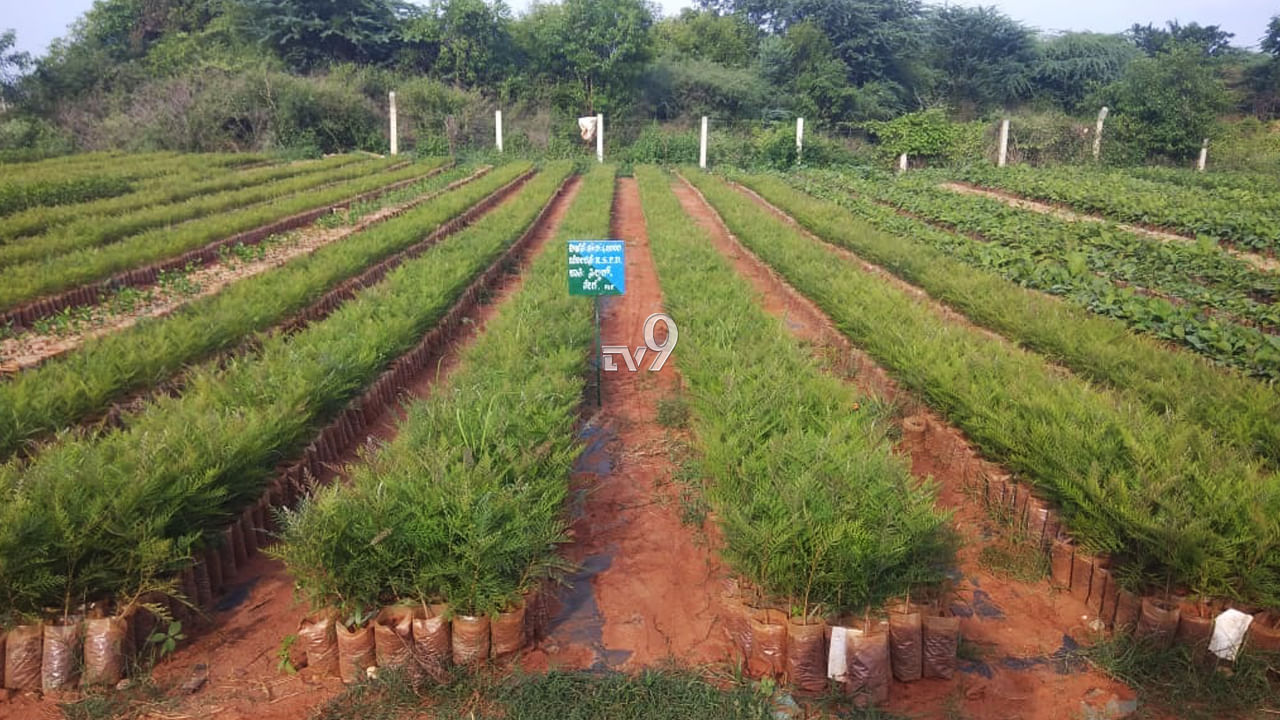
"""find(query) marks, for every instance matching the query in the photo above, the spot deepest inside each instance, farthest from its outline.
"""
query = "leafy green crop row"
(85, 381)
(1240, 411)
(1241, 217)
(813, 506)
(1156, 492)
(183, 183)
(467, 503)
(21, 283)
(1264, 184)
(1249, 349)
(15, 196)
(1203, 275)
(98, 231)
(92, 517)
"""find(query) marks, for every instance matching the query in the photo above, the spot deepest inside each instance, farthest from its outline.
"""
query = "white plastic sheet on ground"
(587, 126)
(1229, 629)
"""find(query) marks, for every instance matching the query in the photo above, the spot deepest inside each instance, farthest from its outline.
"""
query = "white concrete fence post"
(600, 137)
(395, 135)
(1004, 143)
(497, 128)
(702, 148)
(902, 163)
(799, 138)
(1204, 155)
(1097, 134)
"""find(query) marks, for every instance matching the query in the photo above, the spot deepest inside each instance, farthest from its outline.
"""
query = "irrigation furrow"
(1064, 212)
(116, 413)
(646, 588)
(1033, 619)
(28, 350)
(26, 314)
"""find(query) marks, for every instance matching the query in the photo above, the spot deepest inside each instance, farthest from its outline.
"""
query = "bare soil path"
(1262, 262)
(1019, 630)
(648, 588)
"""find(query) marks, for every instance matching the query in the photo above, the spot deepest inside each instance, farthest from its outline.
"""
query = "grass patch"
(659, 694)
(1191, 687)
(142, 698)
(1015, 561)
(673, 411)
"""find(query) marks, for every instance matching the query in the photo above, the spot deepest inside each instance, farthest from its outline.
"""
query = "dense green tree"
(1270, 42)
(1072, 65)
(876, 39)
(600, 46)
(1165, 105)
(309, 34)
(981, 57)
(707, 35)
(1212, 40)
(464, 42)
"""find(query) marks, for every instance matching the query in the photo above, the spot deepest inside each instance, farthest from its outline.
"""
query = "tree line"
(842, 64)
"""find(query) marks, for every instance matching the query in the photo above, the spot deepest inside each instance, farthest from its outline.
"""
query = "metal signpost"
(596, 268)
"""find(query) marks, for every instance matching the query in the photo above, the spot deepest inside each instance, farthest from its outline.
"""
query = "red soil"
(1012, 624)
(649, 586)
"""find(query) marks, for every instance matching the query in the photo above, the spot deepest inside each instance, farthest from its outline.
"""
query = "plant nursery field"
(332, 438)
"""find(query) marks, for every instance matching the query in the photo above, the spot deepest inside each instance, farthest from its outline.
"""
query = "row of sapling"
(821, 523)
(1207, 301)
(97, 231)
(95, 521)
(1197, 273)
(25, 281)
(31, 192)
(87, 380)
(1173, 505)
(180, 183)
(141, 166)
(461, 516)
(963, 273)
(1245, 218)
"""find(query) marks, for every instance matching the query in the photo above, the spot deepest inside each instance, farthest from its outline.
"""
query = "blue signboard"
(597, 267)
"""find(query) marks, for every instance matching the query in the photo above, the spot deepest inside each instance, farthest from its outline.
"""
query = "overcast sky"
(39, 22)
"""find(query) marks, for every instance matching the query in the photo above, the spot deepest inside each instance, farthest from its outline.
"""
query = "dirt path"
(648, 585)
(1015, 627)
(240, 645)
(1262, 262)
(32, 348)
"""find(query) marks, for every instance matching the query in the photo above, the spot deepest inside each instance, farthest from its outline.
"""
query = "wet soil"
(648, 587)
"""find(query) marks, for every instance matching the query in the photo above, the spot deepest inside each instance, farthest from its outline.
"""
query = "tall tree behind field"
(877, 40)
(1073, 65)
(601, 46)
(980, 57)
(464, 42)
(310, 34)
